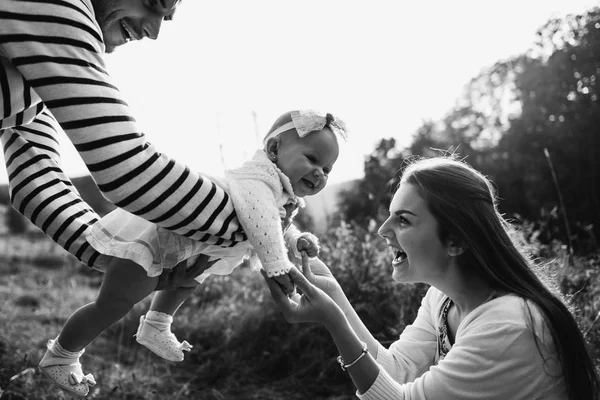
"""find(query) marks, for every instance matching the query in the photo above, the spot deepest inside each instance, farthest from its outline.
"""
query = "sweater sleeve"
(60, 212)
(491, 359)
(254, 193)
(57, 48)
(414, 352)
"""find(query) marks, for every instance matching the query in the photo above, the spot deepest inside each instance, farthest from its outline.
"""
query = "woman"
(487, 328)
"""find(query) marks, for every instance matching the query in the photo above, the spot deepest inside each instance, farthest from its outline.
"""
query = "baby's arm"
(254, 195)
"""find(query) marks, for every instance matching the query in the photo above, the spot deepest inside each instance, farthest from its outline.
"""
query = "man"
(52, 74)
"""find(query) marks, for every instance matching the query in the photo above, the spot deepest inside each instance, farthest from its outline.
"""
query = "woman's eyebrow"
(400, 212)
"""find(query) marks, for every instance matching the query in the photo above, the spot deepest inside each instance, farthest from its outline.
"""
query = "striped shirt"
(53, 76)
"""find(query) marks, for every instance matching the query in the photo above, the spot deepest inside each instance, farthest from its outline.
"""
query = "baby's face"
(308, 161)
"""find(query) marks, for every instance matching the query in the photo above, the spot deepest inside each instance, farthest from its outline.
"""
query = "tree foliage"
(546, 98)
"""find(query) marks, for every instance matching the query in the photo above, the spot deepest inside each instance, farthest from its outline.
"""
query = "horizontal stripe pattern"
(52, 73)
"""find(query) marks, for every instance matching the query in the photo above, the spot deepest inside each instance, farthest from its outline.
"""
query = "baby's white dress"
(259, 191)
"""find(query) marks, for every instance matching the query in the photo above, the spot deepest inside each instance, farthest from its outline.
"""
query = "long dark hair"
(464, 203)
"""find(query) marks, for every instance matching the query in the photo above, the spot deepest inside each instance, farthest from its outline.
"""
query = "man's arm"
(44, 194)
(57, 48)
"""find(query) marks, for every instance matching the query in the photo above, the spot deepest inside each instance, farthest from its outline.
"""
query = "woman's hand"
(314, 305)
(317, 273)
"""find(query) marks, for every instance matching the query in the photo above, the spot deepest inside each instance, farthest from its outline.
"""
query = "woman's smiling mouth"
(399, 256)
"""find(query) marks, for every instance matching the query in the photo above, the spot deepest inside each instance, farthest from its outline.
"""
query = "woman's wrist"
(335, 319)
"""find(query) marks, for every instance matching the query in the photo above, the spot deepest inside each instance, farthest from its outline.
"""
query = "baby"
(299, 152)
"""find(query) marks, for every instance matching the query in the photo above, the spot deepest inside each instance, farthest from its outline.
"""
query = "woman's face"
(411, 231)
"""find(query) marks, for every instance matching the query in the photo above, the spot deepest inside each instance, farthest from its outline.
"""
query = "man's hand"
(182, 276)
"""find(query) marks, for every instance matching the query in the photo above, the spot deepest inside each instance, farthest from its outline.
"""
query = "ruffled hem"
(281, 268)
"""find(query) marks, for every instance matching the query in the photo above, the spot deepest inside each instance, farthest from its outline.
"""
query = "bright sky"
(382, 66)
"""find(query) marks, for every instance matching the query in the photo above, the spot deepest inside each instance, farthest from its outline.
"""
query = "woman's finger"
(306, 270)
(276, 292)
(299, 279)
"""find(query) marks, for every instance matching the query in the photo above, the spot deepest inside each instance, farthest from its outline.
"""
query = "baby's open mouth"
(308, 183)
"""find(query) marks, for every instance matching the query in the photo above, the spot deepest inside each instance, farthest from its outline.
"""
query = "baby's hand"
(309, 244)
(286, 283)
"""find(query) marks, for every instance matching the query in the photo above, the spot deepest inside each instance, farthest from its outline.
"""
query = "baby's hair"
(282, 120)
(329, 118)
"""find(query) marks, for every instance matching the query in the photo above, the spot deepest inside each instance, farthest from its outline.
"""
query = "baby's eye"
(151, 3)
(312, 159)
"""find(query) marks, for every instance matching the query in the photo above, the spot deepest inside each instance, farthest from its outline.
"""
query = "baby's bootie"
(64, 369)
(154, 332)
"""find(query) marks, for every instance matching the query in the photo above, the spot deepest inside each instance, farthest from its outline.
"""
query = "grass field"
(243, 348)
(234, 356)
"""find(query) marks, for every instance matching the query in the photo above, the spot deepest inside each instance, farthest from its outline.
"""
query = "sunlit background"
(222, 72)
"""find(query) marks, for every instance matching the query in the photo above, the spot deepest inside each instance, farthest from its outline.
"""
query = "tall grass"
(243, 348)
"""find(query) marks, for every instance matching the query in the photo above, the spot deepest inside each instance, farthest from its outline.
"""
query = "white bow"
(307, 121)
(76, 379)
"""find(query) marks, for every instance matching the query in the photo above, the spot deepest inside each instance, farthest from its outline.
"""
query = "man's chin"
(109, 49)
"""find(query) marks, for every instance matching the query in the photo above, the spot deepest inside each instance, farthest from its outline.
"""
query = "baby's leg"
(125, 284)
(154, 331)
(169, 301)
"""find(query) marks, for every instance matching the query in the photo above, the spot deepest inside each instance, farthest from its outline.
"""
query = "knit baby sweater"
(259, 191)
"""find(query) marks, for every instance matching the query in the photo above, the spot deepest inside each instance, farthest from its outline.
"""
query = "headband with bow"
(307, 121)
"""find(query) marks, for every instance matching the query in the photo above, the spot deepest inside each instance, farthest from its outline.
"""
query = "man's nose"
(151, 27)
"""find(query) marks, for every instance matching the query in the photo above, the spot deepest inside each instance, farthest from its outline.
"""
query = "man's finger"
(199, 266)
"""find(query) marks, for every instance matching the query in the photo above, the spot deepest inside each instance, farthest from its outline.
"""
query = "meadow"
(243, 348)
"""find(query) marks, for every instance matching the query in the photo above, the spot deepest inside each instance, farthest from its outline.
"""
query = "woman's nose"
(383, 229)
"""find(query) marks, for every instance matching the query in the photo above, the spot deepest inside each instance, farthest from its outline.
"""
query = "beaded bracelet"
(345, 366)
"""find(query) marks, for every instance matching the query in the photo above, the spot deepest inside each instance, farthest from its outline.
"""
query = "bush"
(361, 261)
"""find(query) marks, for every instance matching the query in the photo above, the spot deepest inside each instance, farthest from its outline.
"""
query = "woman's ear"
(272, 148)
(455, 246)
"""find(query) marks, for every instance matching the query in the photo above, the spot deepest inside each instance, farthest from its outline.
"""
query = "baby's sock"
(159, 320)
(57, 355)
(57, 350)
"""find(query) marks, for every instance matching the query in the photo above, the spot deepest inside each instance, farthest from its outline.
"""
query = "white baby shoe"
(161, 342)
(66, 372)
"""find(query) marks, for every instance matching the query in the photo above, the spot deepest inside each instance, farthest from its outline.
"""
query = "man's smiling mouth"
(127, 32)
